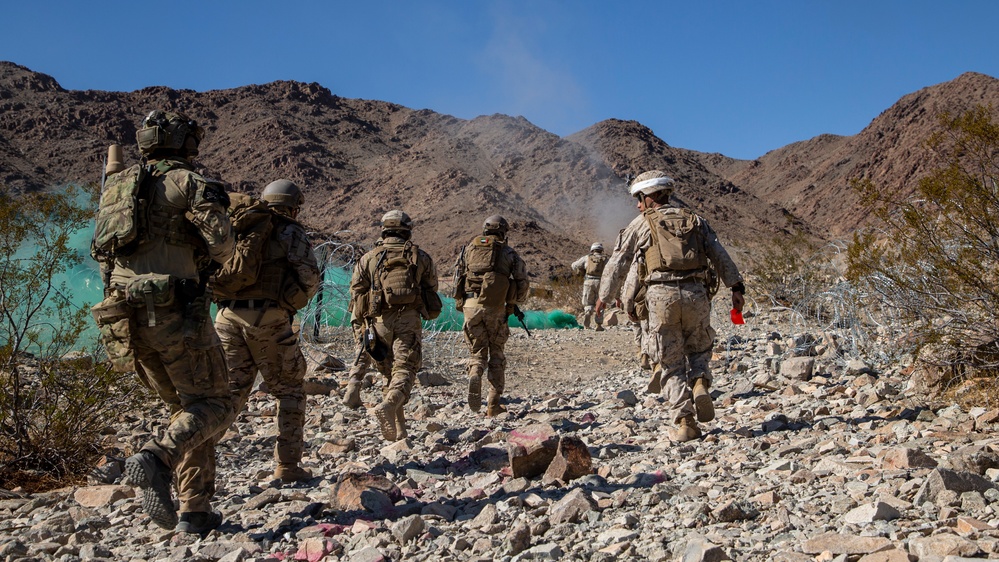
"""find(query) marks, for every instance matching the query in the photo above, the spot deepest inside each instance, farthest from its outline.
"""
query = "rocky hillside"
(357, 159)
(814, 456)
(811, 178)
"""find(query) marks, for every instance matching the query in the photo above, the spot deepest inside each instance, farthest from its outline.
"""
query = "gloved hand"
(509, 309)
(738, 300)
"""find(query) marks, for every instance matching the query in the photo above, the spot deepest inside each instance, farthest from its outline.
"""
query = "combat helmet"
(283, 193)
(398, 223)
(169, 133)
(597, 247)
(496, 224)
(651, 182)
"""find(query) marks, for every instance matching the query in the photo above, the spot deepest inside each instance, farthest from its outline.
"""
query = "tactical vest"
(126, 219)
(396, 275)
(486, 275)
(595, 264)
(677, 241)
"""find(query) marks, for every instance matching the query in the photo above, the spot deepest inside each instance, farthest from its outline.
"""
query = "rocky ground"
(813, 457)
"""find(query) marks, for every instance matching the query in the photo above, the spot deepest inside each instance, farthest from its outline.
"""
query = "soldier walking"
(490, 280)
(678, 248)
(613, 283)
(254, 321)
(591, 266)
(157, 255)
(388, 291)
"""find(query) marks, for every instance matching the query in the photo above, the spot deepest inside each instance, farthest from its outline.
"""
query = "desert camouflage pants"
(265, 341)
(642, 339)
(591, 288)
(185, 365)
(680, 340)
(486, 331)
(402, 332)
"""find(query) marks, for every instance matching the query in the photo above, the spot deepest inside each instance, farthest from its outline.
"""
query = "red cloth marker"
(737, 317)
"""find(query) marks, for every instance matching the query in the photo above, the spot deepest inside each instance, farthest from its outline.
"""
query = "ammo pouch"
(641, 307)
(114, 318)
(150, 290)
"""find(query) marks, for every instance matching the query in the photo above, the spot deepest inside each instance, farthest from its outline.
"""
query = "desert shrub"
(935, 259)
(790, 270)
(52, 407)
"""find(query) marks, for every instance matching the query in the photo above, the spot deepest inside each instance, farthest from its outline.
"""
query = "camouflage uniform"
(486, 327)
(634, 301)
(177, 352)
(592, 266)
(679, 308)
(399, 327)
(613, 277)
(362, 361)
(257, 332)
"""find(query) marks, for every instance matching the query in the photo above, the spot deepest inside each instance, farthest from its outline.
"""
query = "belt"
(252, 304)
(593, 277)
(471, 295)
(676, 281)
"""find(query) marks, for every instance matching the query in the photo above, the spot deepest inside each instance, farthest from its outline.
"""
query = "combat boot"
(148, 472)
(352, 395)
(385, 413)
(292, 472)
(644, 361)
(685, 431)
(199, 522)
(400, 423)
(702, 401)
(655, 382)
(474, 392)
(494, 408)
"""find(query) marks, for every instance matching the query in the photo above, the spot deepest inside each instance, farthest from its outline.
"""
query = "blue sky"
(736, 77)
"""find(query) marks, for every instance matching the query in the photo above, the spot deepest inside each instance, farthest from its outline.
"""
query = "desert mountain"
(356, 159)
(811, 178)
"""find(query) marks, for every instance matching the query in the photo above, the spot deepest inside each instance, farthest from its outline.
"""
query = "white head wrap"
(651, 186)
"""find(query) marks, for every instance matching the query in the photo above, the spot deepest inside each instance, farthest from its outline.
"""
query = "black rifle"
(520, 318)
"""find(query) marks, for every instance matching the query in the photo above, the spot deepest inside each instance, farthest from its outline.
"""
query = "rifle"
(520, 318)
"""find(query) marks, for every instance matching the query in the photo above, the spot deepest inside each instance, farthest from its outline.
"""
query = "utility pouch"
(114, 317)
(362, 305)
(641, 306)
(150, 291)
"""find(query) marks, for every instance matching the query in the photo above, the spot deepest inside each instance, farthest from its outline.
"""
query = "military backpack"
(119, 225)
(485, 274)
(595, 264)
(252, 224)
(677, 241)
(396, 274)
